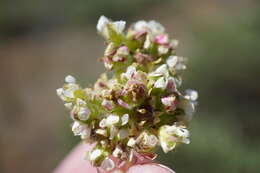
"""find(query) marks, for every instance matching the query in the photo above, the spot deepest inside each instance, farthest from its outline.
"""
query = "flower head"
(138, 105)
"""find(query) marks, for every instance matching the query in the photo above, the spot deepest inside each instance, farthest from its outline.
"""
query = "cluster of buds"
(140, 107)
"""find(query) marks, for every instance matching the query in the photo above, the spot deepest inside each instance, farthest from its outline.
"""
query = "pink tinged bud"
(161, 39)
(171, 85)
(130, 72)
(123, 50)
(117, 58)
(169, 102)
(108, 104)
(123, 104)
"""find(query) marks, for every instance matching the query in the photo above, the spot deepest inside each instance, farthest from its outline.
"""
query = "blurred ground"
(43, 42)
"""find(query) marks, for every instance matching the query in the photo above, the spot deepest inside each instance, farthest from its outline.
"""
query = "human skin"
(74, 163)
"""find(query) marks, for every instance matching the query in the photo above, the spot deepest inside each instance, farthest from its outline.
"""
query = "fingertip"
(150, 168)
(74, 162)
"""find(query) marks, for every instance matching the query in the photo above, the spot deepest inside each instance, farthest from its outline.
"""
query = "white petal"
(160, 83)
(156, 27)
(112, 119)
(152, 141)
(131, 142)
(125, 119)
(119, 26)
(68, 105)
(113, 132)
(81, 102)
(131, 70)
(192, 94)
(102, 123)
(140, 25)
(59, 91)
(77, 128)
(102, 22)
(101, 132)
(108, 164)
(163, 70)
(168, 101)
(162, 49)
(70, 79)
(85, 134)
(172, 61)
(95, 154)
(83, 114)
(117, 152)
(108, 104)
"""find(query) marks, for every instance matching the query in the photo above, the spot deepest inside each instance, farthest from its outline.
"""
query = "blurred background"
(43, 41)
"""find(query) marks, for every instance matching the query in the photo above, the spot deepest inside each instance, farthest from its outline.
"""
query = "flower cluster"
(140, 106)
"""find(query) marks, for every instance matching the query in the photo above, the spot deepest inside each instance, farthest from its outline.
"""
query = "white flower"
(131, 142)
(188, 106)
(102, 22)
(69, 89)
(147, 42)
(102, 26)
(112, 120)
(117, 151)
(172, 61)
(162, 70)
(124, 119)
(122, 51)
(119, 26)
(151, 26)
(108, 104)
(80, 102)
(162, 39)
(83, 113)
(81, 130)
(191, 95)
(102, 123)
(123, 104)
(130, 72)
(147, 141)
(60, 93)
(113, 132)
(68, 105)
(162, 49)
(140, 25)
(169, 102)
(169, 136)
(102, 132)
(174, 43)
(95, 154)
(70, 79)
(156, 27)
(160, 83)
